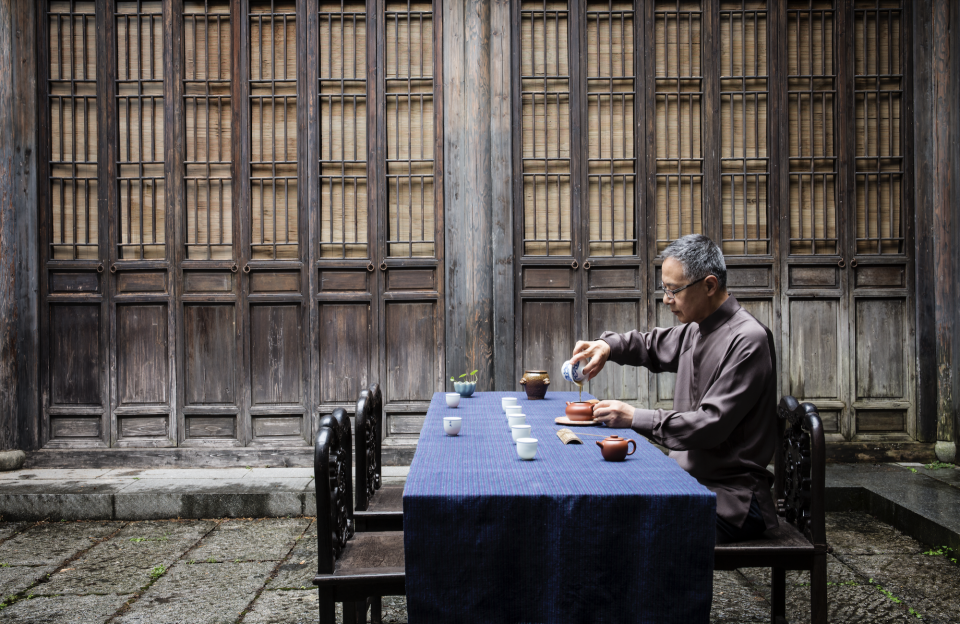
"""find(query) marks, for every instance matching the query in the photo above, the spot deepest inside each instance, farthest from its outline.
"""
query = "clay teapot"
(577, 410)
(535, 383)
(614, 448)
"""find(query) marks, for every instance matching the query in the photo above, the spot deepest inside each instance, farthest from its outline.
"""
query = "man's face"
(691, 305)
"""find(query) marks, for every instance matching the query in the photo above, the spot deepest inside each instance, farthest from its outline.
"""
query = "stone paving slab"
(200, 594)
(123, 564)
(8, 529)
(264, 539)
(54, 474)
(298, 570)
(51, 543)
(91, 609)
(15, 579)
(735, 601)
(929, 584)
(100, 567)
(857, 533)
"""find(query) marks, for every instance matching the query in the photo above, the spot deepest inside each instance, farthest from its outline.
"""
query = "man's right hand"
(597, 351)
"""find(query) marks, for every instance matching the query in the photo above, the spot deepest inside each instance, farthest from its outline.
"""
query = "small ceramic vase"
(464, 388)
(535, 383)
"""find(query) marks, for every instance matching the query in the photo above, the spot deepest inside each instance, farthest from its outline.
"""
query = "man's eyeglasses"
(672, 292)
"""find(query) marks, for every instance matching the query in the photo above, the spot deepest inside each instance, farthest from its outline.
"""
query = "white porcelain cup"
(527, 448)
(506, 402)
(517, 419)
(520, 431)
(451, 425)
(453, 399)
(513, 409)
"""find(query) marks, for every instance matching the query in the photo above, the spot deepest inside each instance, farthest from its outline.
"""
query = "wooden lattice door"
(847, 256)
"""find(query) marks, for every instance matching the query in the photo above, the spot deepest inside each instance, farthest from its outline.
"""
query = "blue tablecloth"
(567, 537)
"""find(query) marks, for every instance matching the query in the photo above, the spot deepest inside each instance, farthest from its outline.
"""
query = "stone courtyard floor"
(259, 571)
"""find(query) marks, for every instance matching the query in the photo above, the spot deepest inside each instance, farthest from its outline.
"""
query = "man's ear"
(713, 285)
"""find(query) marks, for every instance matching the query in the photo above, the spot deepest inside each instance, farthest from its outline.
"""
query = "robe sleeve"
(659, 349)
(743, 380)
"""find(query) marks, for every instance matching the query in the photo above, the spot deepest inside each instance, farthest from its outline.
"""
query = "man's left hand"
(615, 414)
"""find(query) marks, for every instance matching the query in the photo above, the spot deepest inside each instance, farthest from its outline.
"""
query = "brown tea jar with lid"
(535, 383)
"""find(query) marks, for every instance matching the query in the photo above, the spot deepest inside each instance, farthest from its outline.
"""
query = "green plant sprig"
(473, 373)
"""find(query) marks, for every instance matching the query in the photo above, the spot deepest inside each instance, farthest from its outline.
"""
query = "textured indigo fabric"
(567, 537)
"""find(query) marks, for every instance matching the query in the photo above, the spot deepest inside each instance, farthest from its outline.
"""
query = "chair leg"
(818, 590)
(355, 612)
(327, 607)
(778, 595)
(376, 610)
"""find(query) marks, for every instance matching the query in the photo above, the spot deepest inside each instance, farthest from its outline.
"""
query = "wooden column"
(468, 190)
(18, 227)
(936, 165)
(944, 221)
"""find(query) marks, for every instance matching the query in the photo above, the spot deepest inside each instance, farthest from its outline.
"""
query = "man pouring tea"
(722, 428)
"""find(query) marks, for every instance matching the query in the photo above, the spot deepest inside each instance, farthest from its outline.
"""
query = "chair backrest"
(801, 468)
(331, 472)
(365, 451)
(376, 410)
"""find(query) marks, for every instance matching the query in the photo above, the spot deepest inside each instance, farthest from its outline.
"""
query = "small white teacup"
(506, 402)
(513, 409)
(451, 425)
(517, 419)
(527, 448)
(453, 399)
(520, 431)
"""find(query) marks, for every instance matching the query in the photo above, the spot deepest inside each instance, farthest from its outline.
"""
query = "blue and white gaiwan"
(574, 372)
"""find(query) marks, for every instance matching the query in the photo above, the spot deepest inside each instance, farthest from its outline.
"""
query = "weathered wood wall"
(18, 230)
(479, 234)
(480, 266)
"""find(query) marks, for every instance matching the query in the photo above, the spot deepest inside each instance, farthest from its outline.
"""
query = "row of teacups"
(519, 429)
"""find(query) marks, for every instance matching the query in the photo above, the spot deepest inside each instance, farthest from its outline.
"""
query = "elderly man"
(722, 428)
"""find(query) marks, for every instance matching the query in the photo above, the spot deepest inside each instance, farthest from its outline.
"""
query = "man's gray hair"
(699, 256)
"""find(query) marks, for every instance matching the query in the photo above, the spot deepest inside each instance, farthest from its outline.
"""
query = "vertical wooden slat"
(679, 113)
(501, 173)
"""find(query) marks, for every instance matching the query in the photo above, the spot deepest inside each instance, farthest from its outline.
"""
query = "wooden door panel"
(75, 355)
(278, 427)
(344, 351)
(142, 366)
(665, 382)
(814, 357)
(211, 427)
(143, 427)
(616, 381)
(75, 427)
(275, 354)
(761, 309)
(881, 337)
(210, 354)
(410, 334)
(548, 339)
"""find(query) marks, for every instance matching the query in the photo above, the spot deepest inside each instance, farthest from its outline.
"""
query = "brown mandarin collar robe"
(722, 428)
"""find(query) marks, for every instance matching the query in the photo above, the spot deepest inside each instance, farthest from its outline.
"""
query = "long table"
(566, 537)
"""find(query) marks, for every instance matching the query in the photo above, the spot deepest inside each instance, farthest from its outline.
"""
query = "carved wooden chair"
(800, 542)
(354, 569)
(378, 507)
